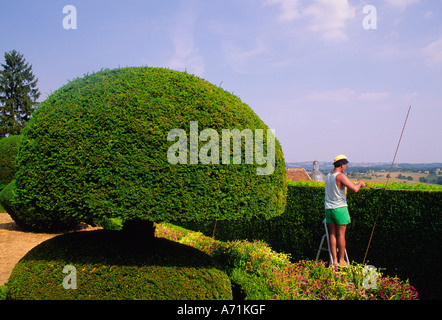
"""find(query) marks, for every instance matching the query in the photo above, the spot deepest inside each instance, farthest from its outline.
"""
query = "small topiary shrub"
(33, 222)
(8, 152)
(6, 196)
(107, 268)
(99, 148)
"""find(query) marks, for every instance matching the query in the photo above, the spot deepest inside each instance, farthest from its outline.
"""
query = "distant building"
(296, 174)
(317, 175)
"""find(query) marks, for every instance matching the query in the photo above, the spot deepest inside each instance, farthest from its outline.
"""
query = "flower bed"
(261, 273)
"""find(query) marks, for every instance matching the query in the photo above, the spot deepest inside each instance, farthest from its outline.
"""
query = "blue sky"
(308, 68)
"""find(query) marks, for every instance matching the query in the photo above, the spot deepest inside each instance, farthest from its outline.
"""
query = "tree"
(18, 93)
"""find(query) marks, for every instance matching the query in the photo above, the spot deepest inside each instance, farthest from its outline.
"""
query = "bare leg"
(340, 235)
(332, 239)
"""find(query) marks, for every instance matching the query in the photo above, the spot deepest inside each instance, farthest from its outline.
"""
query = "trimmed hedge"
(96, 149)
(107, 269)
(257, 272)
(295, 232)
(32, 221)
(8, 152)
(407, 237)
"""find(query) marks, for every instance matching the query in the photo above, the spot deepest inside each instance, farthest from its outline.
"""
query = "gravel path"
(15, 243)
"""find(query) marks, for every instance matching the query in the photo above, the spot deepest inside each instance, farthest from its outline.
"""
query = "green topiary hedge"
(32, 221)
(406, 240)
(107, 268)
(6, 196)
(99, 148)
(296, 231)
(8, 152)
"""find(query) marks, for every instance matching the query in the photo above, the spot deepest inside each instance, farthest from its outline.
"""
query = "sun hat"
(341, 158)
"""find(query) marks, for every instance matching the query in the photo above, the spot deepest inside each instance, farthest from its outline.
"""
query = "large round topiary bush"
(132, 143)
(99, 265)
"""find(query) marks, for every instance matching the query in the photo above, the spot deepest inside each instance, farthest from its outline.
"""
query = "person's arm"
(344, 181)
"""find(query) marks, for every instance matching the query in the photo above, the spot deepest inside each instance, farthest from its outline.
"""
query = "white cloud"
(428, 15)
(388, 51)
(186, 54)
(343, 95)
(239, 57)
(373, 96)
(401, 4)
(329, 18)
(325, 17)
(289, 9)
(433, 52)
(339, 95)
(410, 96)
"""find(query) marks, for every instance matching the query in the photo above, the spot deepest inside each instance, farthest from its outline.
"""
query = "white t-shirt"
(334, 197)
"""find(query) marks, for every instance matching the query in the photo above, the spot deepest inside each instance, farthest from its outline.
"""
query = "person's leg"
(340, 240)
(332, 241)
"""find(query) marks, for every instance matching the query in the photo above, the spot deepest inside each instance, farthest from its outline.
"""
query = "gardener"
(336, 211)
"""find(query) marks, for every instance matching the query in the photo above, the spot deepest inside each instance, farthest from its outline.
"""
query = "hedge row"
(257, 272)
(107, 269)
(407, 237)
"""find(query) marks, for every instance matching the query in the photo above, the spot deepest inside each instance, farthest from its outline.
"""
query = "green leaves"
(8, 152)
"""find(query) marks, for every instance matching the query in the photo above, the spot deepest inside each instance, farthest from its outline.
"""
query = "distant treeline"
(366, 167)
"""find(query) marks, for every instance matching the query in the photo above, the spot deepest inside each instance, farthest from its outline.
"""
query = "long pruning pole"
(388, 179)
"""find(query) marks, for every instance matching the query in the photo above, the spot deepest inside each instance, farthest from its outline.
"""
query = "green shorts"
(339, 216)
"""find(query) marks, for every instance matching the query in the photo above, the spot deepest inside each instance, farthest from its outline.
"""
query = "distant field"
(382, 177)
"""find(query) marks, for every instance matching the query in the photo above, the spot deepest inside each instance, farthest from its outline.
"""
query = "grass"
(262, 273)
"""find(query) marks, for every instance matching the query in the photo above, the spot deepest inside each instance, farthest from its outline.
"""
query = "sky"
(330, 76)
